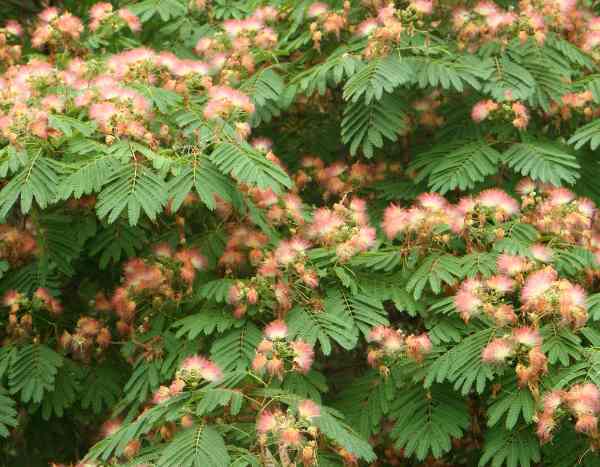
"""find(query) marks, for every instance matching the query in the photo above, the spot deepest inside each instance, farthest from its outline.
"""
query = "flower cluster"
(515, 112)
(422, 223)
(523, 345)
(16, 245)
(193, 372)
(293, 433)
(276, 354)
(339, 178)
(56, 29)
(326, 22)
(10, 47)
(389, 345)
(90, 338)
(581, 401)
(345, 227)
(165, 276)
(487, 296)
(23, 312)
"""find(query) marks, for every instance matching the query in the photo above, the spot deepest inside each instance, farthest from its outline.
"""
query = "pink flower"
(395, 220)
(527, 336)
(586, 424)
(291, 437)
(418, 346)
(308, 409)
(267, 421)
(541, 252)
(497, 351)
(482, 109)
(511, 265)
(317, 9)
(424, 7)
(303, 355)
(500, 283)
(200, 366)
(537, 284)
(498, 199)
(276, 330)
(13, 27)
(583, 399)
(367, 27)
(132, 21)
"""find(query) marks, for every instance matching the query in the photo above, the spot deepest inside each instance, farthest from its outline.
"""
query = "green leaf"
(544, 161)
(205, 322)
(587, 134)
(458, 164)
(8, 413)
(247, 165)
(514, 448)
(379, 76)
(235, 349)
(512, 402)
(33, 372)
(435, 270)
(366, 126)
(69, 125)
(427, 421)
(462, 364)
(37, 180)
(136, 188)
(333, 323)
(332, 426)
(196, 447)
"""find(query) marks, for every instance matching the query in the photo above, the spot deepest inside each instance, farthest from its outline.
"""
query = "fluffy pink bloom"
(393, 342)
(501, 283)
(545, 427)
(69, 25)
(583, 399)
(276, 330)
(395, 220)
(377, 334)
(132, 21)
(527, 336)
(432, 201)
(552, 401)
(291, 436)
(303, 355)
(202, 367)
(49, 14)
(482, 110)
(317, 9)
(308, 409)
(467, 303)
(424, 7)
(586, 423)
(526, 186)
(497, 351)
(537, 284)
(326, 223)
(267, 421)
(14, 27)
(500, 200)
(367, 27)
(560, 196)
(511, 265)
(418, 346)
(541, 252)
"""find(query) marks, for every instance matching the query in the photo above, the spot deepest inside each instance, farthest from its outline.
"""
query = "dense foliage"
(289, 233)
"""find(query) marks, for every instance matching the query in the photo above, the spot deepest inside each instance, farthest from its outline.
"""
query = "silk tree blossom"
(308, 410)
(196, 369)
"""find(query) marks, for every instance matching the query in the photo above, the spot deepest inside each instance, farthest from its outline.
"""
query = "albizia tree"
(287, 233)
